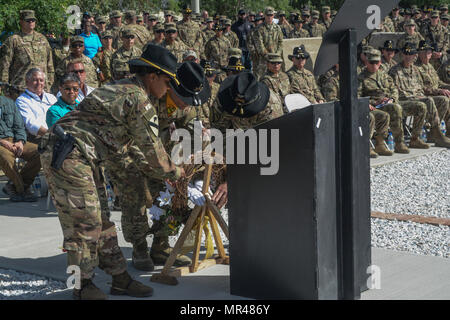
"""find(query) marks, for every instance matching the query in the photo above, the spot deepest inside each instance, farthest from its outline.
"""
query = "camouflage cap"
(168, 13)
(139, 17)
(373, 55)
(115, 14)
(106, 34)
(152, 17)
(158, 27)
(274, 58)
(227, 22)
(209, 19)
(170, 27)
(101, 19)
(269, 11)
(417, 11)
(77, 39)
(333, 12)
(315, 14)
(366, 49)
(445, 17)
(281, 13)
(27, 14)
(234, 52)
(410, 22)
(443, 7)
(306, 13)
(252, 13)
(221, 18)
(126, 32)
(189, 53)
(435, 14)
(326, 9)
(130, 14)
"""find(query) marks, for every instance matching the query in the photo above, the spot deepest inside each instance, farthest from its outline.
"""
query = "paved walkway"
(30, 238)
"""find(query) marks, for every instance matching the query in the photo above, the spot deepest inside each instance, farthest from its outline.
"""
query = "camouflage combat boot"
(373, 154)
(380, 147)
(88, 291)
(418, 144)
(161, 250)
(141, 257)
(439, 139)
(123, 284)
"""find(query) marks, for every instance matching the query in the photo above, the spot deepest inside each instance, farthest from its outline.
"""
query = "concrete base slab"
(383, 160)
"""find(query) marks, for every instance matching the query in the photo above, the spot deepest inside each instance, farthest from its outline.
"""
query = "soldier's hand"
(220, 197)
(8, 145)
(19, 148)
(371, 107)
(445, 92)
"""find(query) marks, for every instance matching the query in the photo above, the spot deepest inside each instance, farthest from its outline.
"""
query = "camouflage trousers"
(433, 114)
(417, 110)
(395, 120)
(90, 238)
(379, 123)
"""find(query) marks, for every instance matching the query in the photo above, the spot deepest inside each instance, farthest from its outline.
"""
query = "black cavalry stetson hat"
(159, 58)
(193, 88)
(388, 45)
(425, 45)
(409, 48)
(299, 52)
(242, 95)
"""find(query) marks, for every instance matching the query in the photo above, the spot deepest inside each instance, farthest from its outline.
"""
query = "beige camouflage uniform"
(278, 83)
(119, 62)
(107, 122)
(267, 38)
(303, 82)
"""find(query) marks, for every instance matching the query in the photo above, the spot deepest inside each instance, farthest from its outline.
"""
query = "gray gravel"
(418, 186)
(16, 285)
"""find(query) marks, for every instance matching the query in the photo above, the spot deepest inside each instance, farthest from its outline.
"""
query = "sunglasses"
(77, 45)
(159, 31)
(71, 89)
(102, 23)
(30, 20)
(78, 71)
(129, 37)
(374, 62)
(170, 31)
(275, 63)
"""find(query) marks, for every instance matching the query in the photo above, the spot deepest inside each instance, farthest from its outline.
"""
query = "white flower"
(156, 212)
(165, 198)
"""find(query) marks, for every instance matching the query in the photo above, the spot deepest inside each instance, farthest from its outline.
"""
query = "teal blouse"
(58, 110)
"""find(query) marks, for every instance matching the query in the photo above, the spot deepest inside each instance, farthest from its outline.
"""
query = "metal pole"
(195, 5)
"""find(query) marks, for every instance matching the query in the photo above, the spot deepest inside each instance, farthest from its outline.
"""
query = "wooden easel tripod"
(168, 276)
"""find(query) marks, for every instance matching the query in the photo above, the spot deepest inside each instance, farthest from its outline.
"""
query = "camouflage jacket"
(119, 62)
(444, 72)
(408, 81)
(102, 60)
(386, 66)
(377, 86)
(330, 87)
(278, 84)
(303, 82)
(388, 25)
(302, 33)
(223, 120)
(286, 28)
(207, 34)
(117, 41)
(59, 53)
(110, 121)
(431, 82)
(326, 23)
(20, 53)
(268, 39)
(189, 32)
(397, 21)
(317, 30)
(233, 38)
(439, 34)
(89, 67)
(177, 48)
(216, 49)
(205, 111)
(142, 35)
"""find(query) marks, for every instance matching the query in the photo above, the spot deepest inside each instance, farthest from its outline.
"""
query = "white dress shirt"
(34, 109)
(81, 95)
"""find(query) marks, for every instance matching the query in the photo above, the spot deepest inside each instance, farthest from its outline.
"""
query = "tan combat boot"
(141, 259)
(88, 291)
(439, 139)
(161, 250)
(373, 154)
(380, 147)
(418, 144)
(123, 284)
(400, 147)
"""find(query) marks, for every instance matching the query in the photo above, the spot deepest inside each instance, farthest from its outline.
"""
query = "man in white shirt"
(77, 67)
(34, 103)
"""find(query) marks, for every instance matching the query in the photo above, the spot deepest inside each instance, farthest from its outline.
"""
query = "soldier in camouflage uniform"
(208, 32)
(101, 139)
(190, 33)
(25, 50)
(275, 79)
(298, 31)
(387, 25)
(378, 85)
(326, 17)
(316, 29)
(302, 80)
(409, 83)
(433, 86)
(210, 74)
(411, 35)
(120, 58)
(76, 53)
(330, 84)
(396, 19)
(444, 71)
(268, 38)
(435, 32)
(171, 43)
(216, 49)
(142, 35)
(388, 52)
(242, 103)
(159, 34)
(102, 59)
(230, 35)
(286, 28)
(115, 25)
